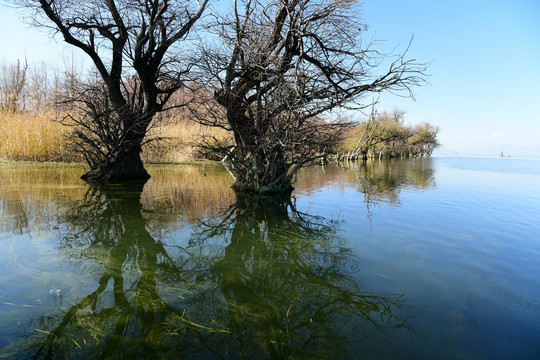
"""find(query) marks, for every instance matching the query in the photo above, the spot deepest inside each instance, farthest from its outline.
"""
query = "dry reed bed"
(37, 137)
(32, 137)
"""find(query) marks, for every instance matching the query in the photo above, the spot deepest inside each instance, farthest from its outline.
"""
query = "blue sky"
(485, 77)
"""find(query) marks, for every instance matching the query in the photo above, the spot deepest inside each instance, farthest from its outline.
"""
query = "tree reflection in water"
(287, 287)
(381, 181)
(279, 286)
(109, 235)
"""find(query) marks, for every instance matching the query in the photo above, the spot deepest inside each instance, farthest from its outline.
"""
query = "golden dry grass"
(36, 137)
(178, 139)
(32, 137)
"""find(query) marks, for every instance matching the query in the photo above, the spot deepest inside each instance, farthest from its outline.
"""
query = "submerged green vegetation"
(253, 277)
(377, 259)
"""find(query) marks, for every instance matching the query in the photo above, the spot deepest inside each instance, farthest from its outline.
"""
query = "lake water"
(434, 258)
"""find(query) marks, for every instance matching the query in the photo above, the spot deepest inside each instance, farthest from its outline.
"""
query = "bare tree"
(40, 86)
(129, 44)
(280, 68)
(13, 86)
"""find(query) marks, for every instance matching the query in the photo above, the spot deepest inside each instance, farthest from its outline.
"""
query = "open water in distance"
(403, 259)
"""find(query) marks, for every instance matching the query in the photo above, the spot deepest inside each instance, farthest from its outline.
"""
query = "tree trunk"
(125, 166)
(259, 166)
(263, 173)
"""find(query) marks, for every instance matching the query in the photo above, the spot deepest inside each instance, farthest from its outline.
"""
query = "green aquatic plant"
(262, 280)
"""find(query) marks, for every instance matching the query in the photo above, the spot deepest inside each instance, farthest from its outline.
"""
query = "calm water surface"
(403, 259)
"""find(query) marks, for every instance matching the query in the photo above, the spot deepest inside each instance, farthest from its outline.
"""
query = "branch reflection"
(262, 280)
(382, 181)
(287, 286)
(109, 237)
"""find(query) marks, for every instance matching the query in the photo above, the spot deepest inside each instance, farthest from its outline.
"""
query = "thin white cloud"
(497, 134)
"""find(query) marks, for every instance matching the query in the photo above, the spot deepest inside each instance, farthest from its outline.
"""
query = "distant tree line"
(37, 87)
(385, 135)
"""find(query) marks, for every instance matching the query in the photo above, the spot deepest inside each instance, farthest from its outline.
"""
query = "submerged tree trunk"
(111, 142)
(125, 166)
(260, 167)
(262, 176)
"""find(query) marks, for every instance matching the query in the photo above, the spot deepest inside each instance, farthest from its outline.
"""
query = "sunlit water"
(405, 259)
